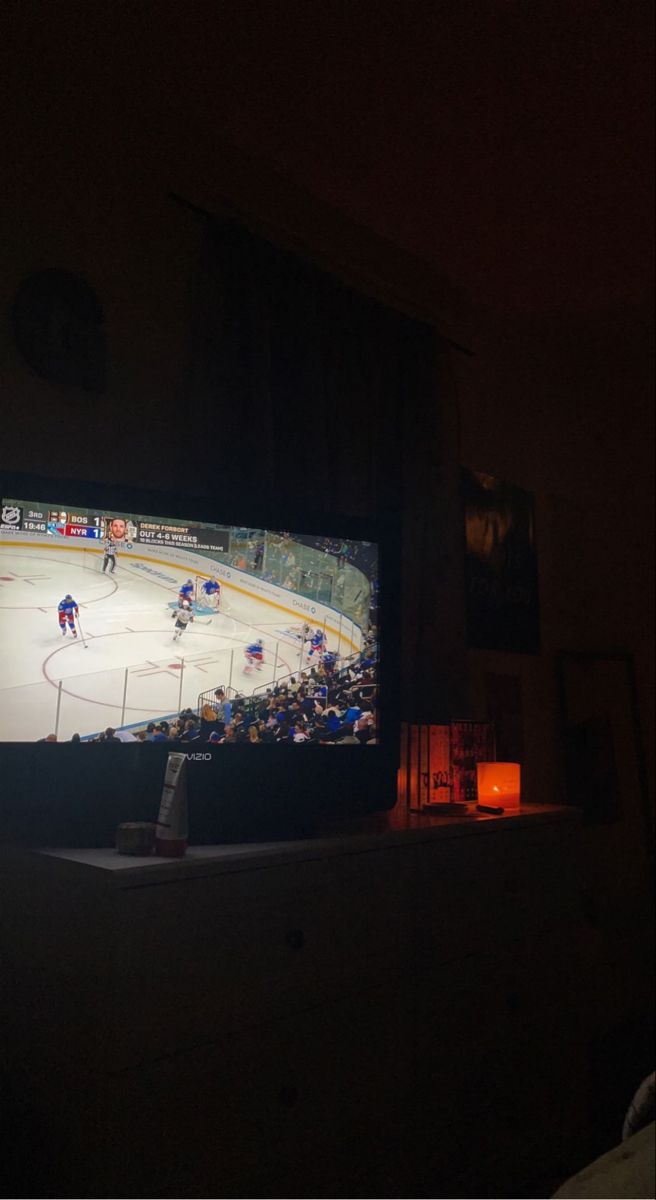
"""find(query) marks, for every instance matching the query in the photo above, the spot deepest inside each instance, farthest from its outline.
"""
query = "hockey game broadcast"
(124, 627)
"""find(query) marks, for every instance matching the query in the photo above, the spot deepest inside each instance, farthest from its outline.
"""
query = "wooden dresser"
(403, 1012)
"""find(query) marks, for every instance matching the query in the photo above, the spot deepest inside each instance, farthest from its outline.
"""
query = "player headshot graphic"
(117, 528)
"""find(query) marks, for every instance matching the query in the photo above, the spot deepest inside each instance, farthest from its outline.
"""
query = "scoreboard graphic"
(183, 537)
(63, 524)
(124, 531)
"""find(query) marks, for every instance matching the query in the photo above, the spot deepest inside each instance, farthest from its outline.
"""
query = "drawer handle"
(295, 939)
(288, 1095)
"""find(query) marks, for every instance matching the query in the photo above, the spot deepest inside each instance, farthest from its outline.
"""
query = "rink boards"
(127, 669)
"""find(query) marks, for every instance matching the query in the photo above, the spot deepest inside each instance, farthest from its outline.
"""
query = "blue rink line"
(202, 610)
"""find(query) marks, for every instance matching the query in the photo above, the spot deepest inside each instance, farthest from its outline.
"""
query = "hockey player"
(110, 555)
(186, 592)
(67, 610)
(182, 618)
(254, 655)
(317, 644)
(329, 661)
(212, 587)
(185, 595)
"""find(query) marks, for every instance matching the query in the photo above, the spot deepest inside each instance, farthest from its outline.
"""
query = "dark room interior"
(382, 272)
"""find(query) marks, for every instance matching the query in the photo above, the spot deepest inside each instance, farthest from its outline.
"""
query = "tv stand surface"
(359, 836)
(399, 1011)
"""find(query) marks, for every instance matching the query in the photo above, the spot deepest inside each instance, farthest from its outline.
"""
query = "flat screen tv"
(263, 644)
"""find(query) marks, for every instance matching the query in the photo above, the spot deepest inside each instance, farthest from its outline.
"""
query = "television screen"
(130, 626)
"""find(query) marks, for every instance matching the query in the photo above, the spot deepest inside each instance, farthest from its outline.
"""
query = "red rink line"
(108, 703)
(35, 607)
(153, 582)
(114, 586)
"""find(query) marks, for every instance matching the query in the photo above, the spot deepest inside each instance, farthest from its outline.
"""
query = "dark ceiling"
(508, 142)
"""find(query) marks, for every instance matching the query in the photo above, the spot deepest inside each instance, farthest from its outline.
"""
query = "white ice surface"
(127, 627)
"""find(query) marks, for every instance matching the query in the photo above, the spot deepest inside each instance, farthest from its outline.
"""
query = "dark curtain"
(305, 387)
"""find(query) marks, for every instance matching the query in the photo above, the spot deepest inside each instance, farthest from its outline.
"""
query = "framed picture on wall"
(604, 761)
(501, 570)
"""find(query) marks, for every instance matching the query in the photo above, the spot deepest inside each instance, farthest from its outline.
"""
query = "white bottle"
(171, 832)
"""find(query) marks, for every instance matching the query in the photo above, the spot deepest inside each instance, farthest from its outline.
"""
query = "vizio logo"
(199, 757)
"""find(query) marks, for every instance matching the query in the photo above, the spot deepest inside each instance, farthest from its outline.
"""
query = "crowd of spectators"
(108, 736)
(322, 705)
(313, 707)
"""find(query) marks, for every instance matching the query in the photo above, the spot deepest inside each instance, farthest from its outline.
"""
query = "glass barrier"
(325, 574)
(308, 571)
(121, 697)
(29, 713)
(128, 698)
(312, 573)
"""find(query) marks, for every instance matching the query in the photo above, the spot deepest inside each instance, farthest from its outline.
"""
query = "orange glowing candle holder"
(499, 784)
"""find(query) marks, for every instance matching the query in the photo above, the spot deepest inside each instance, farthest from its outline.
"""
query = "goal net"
(204, 600)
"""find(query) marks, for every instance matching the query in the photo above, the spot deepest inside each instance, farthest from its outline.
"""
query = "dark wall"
(507, 181)
(235, 364)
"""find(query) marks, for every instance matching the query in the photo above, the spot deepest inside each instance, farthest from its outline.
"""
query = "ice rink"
(128, 669)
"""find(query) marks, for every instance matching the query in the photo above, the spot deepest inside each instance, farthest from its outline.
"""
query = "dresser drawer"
(287, 1109)
(227, 952)
(202, 955)
(500, 886)
(328, 1103)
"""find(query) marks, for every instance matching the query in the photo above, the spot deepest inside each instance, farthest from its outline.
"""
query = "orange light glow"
(498, 784)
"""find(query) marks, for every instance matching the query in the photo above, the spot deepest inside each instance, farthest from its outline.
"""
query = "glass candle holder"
(498, 784)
